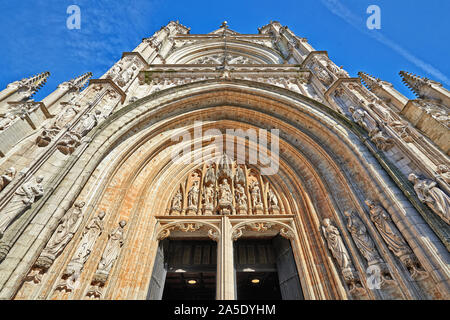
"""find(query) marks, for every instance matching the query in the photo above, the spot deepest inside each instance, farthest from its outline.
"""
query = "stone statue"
(444, 172)
(112, 249)
(361, 237)
(256, 195)
(432, 196)
(68, 114)
(177, 201)
(90, 235)
(382, 141)
(7, 177)
(208, 196)
(63, 234)
(22, 200)
(394, 240)
(272, 198)
(322, 75)
(115, 71)
(46, 136)
(73, 270)
(362, 118)
(69, 143)
(225, 192)
(127, 75)
(193, 196)
(241, 197)
(88, 122)
(336, 245)
(387, 229)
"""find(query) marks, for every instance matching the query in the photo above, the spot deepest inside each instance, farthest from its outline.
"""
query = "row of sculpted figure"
(367, 248)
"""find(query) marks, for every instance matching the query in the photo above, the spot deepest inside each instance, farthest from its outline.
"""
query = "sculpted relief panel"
(225, 188)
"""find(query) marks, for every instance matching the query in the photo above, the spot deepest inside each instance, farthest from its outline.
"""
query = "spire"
(32, 84)
(415, 82)
(78, 83)
(371, 82)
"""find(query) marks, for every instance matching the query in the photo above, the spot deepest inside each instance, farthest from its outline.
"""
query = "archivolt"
(255, 52)
(323, 166)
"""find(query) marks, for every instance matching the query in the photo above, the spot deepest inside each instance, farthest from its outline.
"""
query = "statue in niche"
(46, 137)
(177, 201)
(112, 250)
(394, 239)
(362, 239)
(63, 234)
(336, 245)
(387, 229)
(127, 75)
(362, 118)
(109, 256)
(69, 143)
(241, 199)
(443, 171)
(193, 196)
(432, 196)
(272, 198)
(87, 123)
(225, 192)
(84, 249)
(225, 198)
(7, 177)
(256, 197)
(322, 75)
(272, 202)
(70, 111)
(22, 200)
(208, 199)
(115, 71)
(382, 142)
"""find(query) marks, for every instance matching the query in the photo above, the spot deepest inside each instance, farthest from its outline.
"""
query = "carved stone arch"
(258, 53)
(188, 226)
(133, 146)
(263, 225)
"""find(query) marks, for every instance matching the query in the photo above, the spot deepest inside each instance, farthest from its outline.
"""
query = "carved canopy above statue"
(225, 187)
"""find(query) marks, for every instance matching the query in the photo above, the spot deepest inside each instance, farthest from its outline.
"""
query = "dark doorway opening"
(258, 286)
(190, 286)
(266, 270)
(184, 270)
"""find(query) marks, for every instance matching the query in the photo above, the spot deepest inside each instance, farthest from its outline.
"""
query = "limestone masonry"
(93, 205)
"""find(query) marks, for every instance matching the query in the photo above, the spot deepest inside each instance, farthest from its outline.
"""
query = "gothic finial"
(369, 81)
(79, 82)
(415, 82)
(32, 84)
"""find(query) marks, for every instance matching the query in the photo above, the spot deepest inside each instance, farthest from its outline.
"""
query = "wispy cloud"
(337, 8)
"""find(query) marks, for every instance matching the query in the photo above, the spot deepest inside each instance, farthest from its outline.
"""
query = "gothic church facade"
(94, 206)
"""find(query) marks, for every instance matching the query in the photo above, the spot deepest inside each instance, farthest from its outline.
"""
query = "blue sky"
(34, 37)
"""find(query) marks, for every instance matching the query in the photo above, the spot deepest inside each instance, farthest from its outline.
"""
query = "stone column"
(225, 263)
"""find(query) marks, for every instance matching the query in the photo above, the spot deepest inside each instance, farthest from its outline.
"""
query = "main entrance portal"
(249, 264)
(265, 269)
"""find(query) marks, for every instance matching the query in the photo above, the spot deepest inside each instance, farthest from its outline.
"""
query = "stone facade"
(89, 187)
